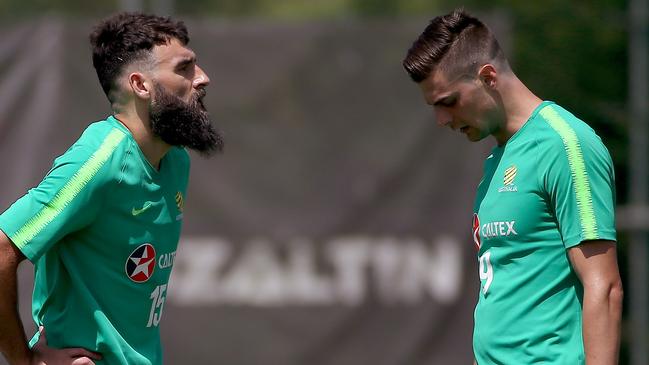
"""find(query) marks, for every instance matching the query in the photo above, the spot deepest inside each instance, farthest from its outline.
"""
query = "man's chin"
(474, 136)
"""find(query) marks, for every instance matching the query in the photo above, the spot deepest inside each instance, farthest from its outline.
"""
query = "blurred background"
(336, 228)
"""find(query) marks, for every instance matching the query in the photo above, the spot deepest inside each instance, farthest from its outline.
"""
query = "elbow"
(616, 294)
(605, 292)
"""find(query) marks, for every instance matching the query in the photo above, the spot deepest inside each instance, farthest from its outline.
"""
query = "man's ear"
(488, 75)
(140, 85)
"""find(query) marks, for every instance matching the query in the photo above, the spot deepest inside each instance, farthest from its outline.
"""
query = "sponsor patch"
(141, 263)
(476, 230)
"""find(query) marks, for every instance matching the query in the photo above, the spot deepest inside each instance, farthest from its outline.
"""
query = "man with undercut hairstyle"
(543, 221)
(111, 206)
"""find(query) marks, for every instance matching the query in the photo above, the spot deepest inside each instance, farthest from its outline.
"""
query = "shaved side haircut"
(455, 43)
(126, 38)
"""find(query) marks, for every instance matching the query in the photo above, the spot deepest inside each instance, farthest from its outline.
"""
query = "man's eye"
(449, 103)
(185, 66)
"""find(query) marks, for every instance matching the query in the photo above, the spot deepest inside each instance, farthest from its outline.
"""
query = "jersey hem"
(603, 235)
(25, 250)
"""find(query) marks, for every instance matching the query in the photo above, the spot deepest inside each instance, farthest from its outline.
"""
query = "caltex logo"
(141, 263)
(476, 230)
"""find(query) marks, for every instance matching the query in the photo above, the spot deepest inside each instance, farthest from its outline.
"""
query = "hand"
(45, 355)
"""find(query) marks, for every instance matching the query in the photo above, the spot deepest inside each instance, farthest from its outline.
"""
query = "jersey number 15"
(157, 302)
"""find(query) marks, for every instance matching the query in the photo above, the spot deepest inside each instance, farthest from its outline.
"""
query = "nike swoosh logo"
(137, 212)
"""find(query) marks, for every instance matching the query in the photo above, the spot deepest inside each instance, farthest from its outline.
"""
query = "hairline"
(147, 61)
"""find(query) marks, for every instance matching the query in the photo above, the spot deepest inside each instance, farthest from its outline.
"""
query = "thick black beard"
(184, 124)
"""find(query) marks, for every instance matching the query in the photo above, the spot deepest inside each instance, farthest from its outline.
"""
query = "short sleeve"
(66, 200)
(579, 180)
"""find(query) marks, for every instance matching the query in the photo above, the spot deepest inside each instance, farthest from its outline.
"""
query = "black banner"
(335, 229)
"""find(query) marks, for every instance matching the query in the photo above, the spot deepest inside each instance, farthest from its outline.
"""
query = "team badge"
(476, 230)
(508, 180)
(179, 204)
(510, 174)
(141, 263)
(179, 201)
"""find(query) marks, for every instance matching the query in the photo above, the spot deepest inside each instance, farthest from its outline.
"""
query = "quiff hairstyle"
(455, 43)
(125, 38)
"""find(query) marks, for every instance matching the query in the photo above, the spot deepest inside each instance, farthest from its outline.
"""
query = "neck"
(518, 103)
(152, 146)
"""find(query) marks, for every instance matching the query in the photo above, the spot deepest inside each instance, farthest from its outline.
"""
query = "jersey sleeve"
(579, 180)
(67, 199)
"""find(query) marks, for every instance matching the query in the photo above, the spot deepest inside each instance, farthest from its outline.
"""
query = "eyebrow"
(443, 99)
(186, 60)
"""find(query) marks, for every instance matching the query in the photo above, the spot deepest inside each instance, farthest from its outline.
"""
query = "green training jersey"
(549, 188)
(102, 229)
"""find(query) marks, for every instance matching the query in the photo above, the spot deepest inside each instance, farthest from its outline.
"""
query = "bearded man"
(111, 205)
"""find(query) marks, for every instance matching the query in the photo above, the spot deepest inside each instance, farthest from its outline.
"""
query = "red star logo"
(476, 230)
(141, 263)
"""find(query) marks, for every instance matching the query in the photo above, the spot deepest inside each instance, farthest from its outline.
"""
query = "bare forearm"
(13, 343)
(601, 324)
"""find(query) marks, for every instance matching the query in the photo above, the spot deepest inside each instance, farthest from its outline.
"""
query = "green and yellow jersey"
(549, 188)
(102, 229)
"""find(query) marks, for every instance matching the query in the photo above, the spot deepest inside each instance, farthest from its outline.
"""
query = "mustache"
(200, 94)
(185, 124)
(198, 98)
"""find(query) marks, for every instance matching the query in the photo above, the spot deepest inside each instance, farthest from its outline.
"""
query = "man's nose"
(201, 79)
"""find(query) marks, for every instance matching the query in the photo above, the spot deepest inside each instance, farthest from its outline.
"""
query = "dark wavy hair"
(124, 38)
(455, 43)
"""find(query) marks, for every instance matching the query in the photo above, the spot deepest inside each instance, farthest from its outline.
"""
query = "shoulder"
(561, 131)
(100, 138)
(100, 150)
(567, 146)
